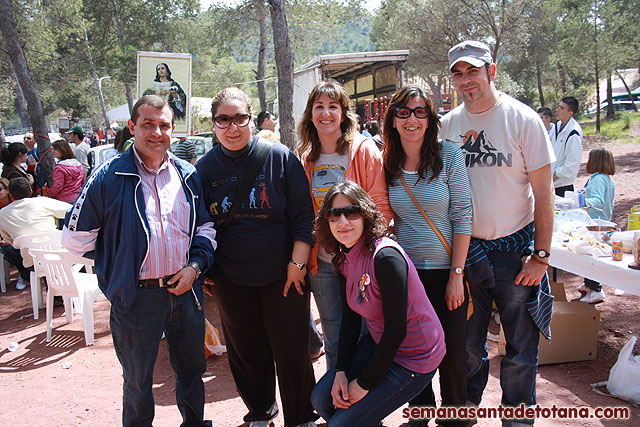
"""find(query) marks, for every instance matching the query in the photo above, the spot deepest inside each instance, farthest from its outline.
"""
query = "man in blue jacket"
(142, 215)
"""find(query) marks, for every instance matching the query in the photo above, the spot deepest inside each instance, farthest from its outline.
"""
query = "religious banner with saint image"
(168, 75)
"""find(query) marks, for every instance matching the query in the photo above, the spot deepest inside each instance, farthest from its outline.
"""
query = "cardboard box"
(557, 290)
(633, 221)
(574, 334)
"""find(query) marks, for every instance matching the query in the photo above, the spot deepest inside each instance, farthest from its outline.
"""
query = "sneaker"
(618, 292)
(21, 284)
(583, 288)
(593, 297)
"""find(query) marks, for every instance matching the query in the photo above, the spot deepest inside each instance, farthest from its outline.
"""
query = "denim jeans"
(396, 388)
(136, 337)
(519, 366)
(315, 339)
(326, 290)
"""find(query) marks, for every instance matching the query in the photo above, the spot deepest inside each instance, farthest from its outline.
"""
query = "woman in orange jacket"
(332, 151)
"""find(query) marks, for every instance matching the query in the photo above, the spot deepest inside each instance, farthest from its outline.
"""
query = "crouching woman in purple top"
(396, 360)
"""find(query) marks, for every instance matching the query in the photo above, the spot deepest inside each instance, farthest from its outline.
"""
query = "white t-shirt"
(500, 145)
(328, 170)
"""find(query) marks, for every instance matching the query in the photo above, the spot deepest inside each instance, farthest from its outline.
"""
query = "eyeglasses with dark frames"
(240, 120)
(405, 112)
(352, 213)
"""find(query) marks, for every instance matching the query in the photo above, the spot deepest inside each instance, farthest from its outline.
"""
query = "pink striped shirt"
(168, 211)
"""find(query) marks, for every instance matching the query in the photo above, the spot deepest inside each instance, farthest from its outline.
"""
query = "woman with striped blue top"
(435, 173)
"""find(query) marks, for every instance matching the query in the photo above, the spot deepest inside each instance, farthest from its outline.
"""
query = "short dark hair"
(601, 160)
(545, 111)
(63, 147)
(152, 100)
(572, 103)
(262, 117)
(374, 127)
(20, 188)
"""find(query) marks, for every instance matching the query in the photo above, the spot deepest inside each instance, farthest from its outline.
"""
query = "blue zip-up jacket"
(109, 218)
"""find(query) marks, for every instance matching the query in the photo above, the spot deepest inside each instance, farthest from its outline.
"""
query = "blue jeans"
(136, 338)
(315, 340)
(395, 389)
(519, 366)
(326, 291)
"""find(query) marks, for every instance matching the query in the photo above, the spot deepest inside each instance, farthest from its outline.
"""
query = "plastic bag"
(212, 344)
(624, 378)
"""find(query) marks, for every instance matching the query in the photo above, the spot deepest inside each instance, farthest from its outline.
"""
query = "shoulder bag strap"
(442, 240)
(426, 217)
(255, 162)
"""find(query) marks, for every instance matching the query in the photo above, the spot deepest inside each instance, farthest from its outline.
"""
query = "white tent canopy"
(200, 107)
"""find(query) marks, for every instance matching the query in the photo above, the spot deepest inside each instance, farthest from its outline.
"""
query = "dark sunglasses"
(28, 138)
(405, 112)
(240, 120)
(352, 212)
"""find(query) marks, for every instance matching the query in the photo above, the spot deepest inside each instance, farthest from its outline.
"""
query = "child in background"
(599, 194)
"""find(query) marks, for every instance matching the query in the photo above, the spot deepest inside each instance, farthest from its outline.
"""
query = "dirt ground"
(65, 383)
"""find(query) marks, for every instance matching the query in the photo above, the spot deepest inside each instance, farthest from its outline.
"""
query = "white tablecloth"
(604, 270)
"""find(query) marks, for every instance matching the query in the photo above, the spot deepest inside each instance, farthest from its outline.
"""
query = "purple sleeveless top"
(423, 347)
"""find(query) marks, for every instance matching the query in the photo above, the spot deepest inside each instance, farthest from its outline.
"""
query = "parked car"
(100, 154)
(203, 144)
(618, 106)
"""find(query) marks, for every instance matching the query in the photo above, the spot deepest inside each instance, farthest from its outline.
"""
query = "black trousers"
(261, 327)
(15, 258)
(453, 368)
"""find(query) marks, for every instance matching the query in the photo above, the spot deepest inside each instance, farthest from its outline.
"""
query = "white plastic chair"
(45, 240)
(4, 273)
(63, 280)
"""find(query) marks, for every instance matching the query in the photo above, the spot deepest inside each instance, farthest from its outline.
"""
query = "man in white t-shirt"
(566, 139)
(508, 157)
(77, 139)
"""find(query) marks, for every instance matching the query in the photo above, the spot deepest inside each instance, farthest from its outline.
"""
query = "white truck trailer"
(365, 76)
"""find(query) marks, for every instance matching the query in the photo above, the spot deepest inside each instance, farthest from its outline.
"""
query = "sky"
(204, 4)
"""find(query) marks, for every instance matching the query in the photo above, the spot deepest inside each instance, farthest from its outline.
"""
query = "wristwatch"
(196, 267)
(300, 265)
(542, 253)
(457, 270)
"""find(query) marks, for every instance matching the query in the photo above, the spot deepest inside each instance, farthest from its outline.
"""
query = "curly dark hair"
(374, 223)
(394, 156)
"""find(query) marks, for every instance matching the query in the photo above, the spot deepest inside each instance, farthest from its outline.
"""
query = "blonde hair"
(266, 133)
